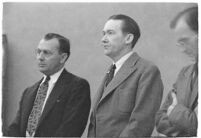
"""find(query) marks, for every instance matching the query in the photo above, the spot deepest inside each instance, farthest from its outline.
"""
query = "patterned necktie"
(37, 107)
(110, 75)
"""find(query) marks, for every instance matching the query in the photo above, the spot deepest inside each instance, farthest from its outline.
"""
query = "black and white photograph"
(100, 69)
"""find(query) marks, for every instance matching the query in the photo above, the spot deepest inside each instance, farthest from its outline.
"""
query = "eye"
(46, 52)
(37, 51)
(184, 39)
(110, 32)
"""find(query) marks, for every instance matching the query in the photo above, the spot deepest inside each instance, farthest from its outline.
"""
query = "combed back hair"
(128, 26)
(64, 43)
(190, 17)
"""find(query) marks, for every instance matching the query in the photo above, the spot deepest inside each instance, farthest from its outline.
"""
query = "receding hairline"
(185, 16)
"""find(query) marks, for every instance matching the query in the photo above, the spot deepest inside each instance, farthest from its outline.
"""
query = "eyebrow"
(110, 30)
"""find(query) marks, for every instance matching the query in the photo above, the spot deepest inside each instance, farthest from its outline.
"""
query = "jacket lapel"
(126, 69)
(188, 95)
(184, 88)
(194, 88)
(58, 89)
(194, 93)
(99, 93)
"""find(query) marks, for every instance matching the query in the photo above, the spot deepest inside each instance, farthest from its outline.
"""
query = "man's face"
(49, 59)
(187, 40)
(113, 39)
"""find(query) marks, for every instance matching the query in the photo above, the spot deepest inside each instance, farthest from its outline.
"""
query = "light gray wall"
(26, 23)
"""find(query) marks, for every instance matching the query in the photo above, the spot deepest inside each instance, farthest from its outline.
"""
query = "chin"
(43, 71)
(107, 53)
(192, 58)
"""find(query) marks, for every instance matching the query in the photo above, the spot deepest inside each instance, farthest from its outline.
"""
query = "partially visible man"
(178, 115)
(131, 92)
(58, 105)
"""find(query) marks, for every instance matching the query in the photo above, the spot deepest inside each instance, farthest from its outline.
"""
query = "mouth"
(41, 65)
(106, 46)
(182, 49)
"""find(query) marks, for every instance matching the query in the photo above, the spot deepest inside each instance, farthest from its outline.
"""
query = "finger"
(174, 98)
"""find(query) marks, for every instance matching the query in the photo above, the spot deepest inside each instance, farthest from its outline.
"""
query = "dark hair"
(129, 26)
(190, 17)
(64, 43)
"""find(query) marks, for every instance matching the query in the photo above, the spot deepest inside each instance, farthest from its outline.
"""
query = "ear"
(64, 57)
(129, 38)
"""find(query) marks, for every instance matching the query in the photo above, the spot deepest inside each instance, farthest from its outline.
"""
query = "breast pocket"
(125, 102)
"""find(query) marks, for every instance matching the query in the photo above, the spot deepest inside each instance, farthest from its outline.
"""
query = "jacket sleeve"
(148, 100)
(182, 121)
(76, 112)
(13, 129)
(163, 125)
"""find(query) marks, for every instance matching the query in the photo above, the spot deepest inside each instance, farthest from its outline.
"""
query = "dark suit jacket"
(65, 113)
(182, 121)
(127, 106)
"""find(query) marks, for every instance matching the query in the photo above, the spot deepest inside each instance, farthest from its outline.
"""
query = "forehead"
(51, 44)
(113, 25)
(182, 28)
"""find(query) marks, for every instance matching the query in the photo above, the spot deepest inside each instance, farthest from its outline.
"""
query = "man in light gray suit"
(131, 92)
(178, 114)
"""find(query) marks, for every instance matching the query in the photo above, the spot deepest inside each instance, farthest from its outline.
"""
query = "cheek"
(192, 45)
(54, 62)
(116, 41)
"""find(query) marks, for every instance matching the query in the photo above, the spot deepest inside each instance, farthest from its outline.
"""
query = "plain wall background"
(26, 23)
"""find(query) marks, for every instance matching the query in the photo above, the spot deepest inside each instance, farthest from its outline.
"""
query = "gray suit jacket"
(127, 106)
(182, 121)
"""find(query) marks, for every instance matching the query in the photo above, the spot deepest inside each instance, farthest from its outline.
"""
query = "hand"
(196, 110)
(161, 135)
(174, 103)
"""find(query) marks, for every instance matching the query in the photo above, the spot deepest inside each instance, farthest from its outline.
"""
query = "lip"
(181, 49)
(106, 46)
(41, 65)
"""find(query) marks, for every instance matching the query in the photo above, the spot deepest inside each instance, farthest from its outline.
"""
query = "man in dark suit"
(178, 114)
(58, 105)
(131, 92)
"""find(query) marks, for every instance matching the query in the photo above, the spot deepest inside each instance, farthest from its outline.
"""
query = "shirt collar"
(121, 61)
(55, 76)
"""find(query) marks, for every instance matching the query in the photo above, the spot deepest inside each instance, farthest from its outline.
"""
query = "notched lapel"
(123, 73)
(99, 93)
(194, 92)
(58, 89)
(186, 94)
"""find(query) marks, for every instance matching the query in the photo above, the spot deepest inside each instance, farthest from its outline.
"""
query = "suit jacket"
(182, 121)
(65, 113)
(127, 106)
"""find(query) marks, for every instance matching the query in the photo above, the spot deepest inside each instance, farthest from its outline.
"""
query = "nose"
(104, 39)
(40, 56)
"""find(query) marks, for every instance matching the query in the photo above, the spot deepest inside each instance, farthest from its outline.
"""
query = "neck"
(52, 73)
(115, 59)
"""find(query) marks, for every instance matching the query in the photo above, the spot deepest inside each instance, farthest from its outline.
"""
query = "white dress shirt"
(121, 61)
(51, 83)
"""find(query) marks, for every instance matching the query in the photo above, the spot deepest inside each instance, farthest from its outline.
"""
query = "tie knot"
(113, 66)
(110, 74)
(47, 78)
